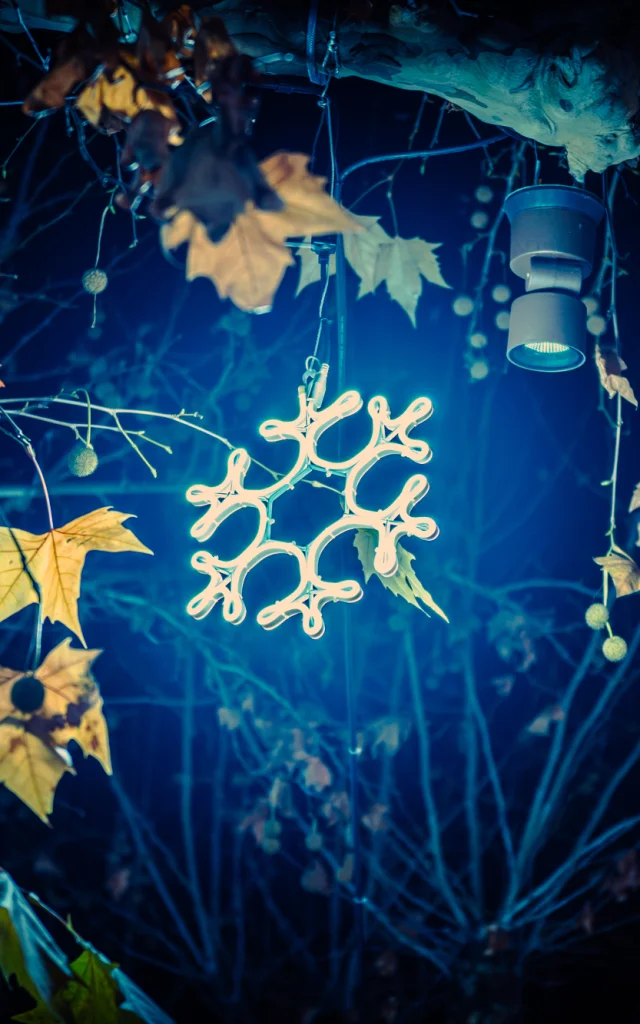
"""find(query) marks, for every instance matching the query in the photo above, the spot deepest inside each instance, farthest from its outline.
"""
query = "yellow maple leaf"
(623, 571)
(610, 370)
(404, 583)
(247, 266)
(120, 92)
(40, 713)
(30, 768)
(48, 566)
(376, 257)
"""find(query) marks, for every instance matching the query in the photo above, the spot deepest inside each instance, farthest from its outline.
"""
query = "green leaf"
(93, 998)
(404, 583)
(26, 948)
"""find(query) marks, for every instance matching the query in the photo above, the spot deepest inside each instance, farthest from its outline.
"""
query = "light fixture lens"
(547, 347)
(547, 332)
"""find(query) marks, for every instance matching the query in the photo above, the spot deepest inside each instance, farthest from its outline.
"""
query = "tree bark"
(566, 74)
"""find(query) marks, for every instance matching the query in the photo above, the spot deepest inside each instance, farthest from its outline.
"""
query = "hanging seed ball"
(478, 340)
(596, 616)
(462, 305)
(27, 694)
(82, 459)
(591, 304)
(271, 846)
(479, 220)
(501, 293)
(484, 194)
(502, 320)
(313, 842)
(596, 325)
(94, 281)
(479, 369)
(614, 648)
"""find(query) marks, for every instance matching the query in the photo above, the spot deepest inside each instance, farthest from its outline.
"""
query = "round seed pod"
(27, 694)
(478, 340)
(463, 305)
(270, 846)
(479, 369)
(94, 281)
(479, 219)
(484, 194)
(501, 293)
(82, 459)
(596, 616)
(614, 648)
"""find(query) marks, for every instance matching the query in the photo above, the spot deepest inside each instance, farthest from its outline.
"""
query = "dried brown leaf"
(33, 744)
(247, 266)
(634, 504)
(316, 775)
(542, 723)
(610, 370)
(316, 879)
(623, 571)
(375, 819)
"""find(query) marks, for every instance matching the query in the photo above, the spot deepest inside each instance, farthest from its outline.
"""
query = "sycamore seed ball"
(478, 340)
(596, 616)
(501, 293)
(479, 369)
(502, 320)
(484, 194)
(614, 648)
(479, 220)
(596, 325)
(94, 281)
(463, 305)
(272, 829)
(82, 459)
(270, 846)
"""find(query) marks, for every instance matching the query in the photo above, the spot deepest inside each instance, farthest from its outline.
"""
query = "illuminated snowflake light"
(388, 437)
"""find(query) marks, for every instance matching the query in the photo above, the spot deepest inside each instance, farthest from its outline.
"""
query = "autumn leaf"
(229, 718)
(387, 735)
(120, 94)
(247, 266)
(404, 583)
(344, 874)
(316, 775)
(542, 723)
(29, 767)
(610, 369)
(623, 571)
(41, 712)
(376, 257)
(48, 566)
(375, 819)
(634, 504)
(316, 879)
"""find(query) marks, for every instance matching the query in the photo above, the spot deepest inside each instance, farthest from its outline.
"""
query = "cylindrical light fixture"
(553, 233)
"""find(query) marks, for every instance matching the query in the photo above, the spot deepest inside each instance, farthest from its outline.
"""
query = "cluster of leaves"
(85, 990)
(376, 257)
(41, 711)
(204, 181)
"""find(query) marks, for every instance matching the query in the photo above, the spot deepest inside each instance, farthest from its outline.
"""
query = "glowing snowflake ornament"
(388, 437)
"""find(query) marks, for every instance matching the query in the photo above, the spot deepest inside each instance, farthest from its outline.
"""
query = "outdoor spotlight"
(553, 235)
